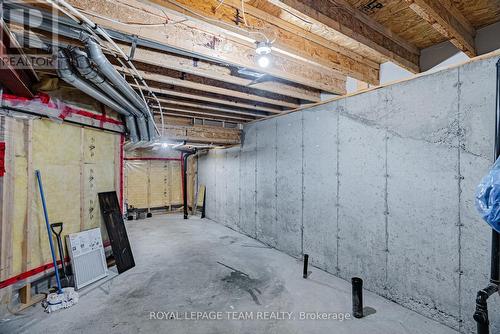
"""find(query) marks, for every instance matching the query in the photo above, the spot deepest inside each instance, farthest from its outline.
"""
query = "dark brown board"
(113, 218)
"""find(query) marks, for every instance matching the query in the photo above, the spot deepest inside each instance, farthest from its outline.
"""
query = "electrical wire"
(220, 4)
(243, 13)
(96, 30)
(132, 24)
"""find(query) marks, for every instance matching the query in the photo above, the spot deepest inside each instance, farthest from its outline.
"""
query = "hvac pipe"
(67, 73)
(107, 69)
(83, 66)
(481, 315)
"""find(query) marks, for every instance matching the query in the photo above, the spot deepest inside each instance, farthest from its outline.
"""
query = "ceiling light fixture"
(263, 51)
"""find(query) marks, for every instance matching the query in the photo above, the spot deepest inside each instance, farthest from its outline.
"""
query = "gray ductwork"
(67, 73)
(83, 66)
(106, 68)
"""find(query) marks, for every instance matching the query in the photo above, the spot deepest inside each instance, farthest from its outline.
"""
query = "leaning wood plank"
(113, 218)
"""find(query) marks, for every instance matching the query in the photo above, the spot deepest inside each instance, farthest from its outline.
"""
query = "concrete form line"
(255, 171)
(386, 213)
(459, 218)
(338, 190)
(215, 185)
(239, 187)
(302, 185)
(276, 175)
(224, 163)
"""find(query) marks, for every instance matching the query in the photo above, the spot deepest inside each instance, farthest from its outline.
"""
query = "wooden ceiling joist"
(190, 116)
(288, 39)
(223, 73)
(210, 107)
(208, 85)
(448, 21)
(238, 102)
(200, 97)
(191, 68)
(205, 40)
(200, 113)
(340, 18)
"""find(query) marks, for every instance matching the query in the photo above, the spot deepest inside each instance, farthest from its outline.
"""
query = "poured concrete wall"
(378, 185)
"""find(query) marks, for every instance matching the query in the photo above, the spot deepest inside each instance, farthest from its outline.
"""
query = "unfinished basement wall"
(378, 185)
(153, 179)
(76, 163)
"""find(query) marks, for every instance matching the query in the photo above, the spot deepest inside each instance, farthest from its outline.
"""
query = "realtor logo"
(29, 34)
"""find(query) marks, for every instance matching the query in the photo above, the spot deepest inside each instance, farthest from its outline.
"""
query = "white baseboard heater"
(87, 257)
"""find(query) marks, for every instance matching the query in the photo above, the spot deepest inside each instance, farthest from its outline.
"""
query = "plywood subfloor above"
(399, 18)
(480, 13)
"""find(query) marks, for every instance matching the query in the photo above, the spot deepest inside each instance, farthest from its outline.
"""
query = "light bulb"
(263, 61)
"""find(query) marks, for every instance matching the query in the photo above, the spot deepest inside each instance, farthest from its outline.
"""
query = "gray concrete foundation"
(378, 185)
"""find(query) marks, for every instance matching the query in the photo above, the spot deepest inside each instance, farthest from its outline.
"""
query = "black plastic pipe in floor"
(481, 315)
(357, 297)
(185, 156)
(306, 265)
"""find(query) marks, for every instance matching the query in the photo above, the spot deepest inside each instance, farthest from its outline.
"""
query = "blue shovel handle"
(54, 260)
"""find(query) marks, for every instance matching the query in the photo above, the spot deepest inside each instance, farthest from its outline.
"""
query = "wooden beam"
(202, 134)
(199, 96)
(205, 40)
(201, 114)
(448, 21)
(194, 104)
(286, 37)
(351, 25)
(191, 117)
(199, 111)
(209, 111)
(202, 84)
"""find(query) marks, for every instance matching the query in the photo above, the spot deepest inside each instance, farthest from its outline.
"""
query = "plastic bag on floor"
(488, 197)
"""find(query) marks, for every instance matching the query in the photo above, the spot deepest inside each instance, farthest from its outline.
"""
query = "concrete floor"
(201, 266)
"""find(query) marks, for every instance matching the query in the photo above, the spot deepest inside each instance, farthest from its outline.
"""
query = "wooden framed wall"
(76, 163)
(153, 183)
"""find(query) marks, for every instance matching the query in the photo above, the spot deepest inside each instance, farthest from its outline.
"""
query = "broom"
(66, 297)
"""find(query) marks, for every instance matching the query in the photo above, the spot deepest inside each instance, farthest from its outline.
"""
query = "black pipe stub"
(357, 297)
(306, 264)
(481, 314)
